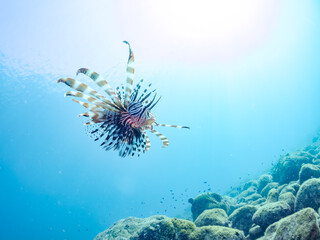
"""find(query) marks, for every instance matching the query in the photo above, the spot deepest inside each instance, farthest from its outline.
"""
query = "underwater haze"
(243, 75)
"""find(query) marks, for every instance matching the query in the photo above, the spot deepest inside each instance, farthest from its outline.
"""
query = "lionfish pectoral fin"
(164, 140)
(103, 84)
(91, 107)
(90, 99)
(167, 125)
(96, 116)
(147, 142)
(81, 87)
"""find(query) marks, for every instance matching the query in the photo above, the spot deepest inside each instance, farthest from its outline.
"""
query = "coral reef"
(282, 204)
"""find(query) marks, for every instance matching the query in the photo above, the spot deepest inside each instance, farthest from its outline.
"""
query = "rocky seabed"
(280, 205)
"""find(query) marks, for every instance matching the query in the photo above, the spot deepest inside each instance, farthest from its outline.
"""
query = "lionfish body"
(121, 123)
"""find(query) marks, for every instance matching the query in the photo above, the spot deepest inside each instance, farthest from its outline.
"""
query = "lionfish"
(121, 122)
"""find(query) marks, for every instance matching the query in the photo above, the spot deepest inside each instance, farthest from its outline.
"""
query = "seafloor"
(281, 205)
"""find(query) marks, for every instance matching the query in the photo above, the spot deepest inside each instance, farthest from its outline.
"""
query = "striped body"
(120, 123)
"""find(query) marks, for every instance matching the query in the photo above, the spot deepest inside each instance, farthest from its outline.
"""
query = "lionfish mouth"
(120, 123)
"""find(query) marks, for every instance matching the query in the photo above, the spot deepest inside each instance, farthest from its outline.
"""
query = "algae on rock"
(298, 226)
(212, 217)
(308, 195)
(241, 218)
(271, 213)
(207, 201)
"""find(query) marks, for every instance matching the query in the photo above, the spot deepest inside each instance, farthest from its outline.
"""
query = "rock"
(125, 228)
(165, 228)
(295, 185)
(292, 187)
(207, 201)
(309, 171)
(216, 233)
(263, 181)
(252, 198)
(289, 198)
(302, 225)
(288, 189)
(242, 218)
(258, 202)
(268, 187)
(271, 213)
(255, 232)
(308, 195)
(154, 229)
(273, 195)
(249, 184)
(233, 193)
(183, 228)
(213, 217)
(251, 190)
(232, 202)
(288, 167)
(234, 207)
(282, 187)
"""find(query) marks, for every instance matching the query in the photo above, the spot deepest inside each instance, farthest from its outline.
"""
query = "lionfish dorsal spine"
(130, 75)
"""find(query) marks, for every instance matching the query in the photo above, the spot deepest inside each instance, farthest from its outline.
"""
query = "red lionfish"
(123, 121)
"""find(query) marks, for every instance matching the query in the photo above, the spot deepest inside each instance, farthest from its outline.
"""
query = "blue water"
(57, 183)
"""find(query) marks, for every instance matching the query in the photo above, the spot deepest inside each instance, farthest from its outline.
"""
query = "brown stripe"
(94, 76)
(102, 83)
(130, 69)
(82, 87)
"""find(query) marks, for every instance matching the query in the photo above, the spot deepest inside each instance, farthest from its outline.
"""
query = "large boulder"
(288, 167)
(270, 213)
(246, 193)
(165, 228)
(281, 187)
(212, 217)
(241, 218)
(215, 233)
(125, 228)
(255, 232)
(308, 195)
(258, 202)
(232, 203)
(263, 181)
(273, 195)
(252, 198)
(207, 201)
(289, 198)
(267, 188)
(249, 184)
(289, 188)
(155, 229)
(309, 171)
(302, 225)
